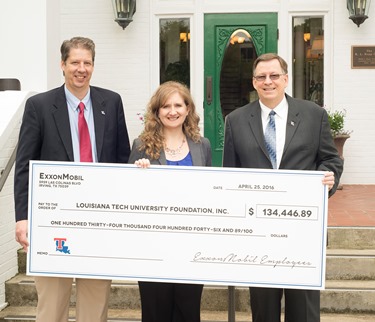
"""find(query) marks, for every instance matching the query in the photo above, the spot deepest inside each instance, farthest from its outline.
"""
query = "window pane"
(236, 87)
(308, 54)
(175, 50)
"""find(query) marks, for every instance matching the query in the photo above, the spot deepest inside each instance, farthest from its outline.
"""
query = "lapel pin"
(103, 112)
(292, 123)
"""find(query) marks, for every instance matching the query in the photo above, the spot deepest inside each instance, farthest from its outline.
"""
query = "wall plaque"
(363, 56)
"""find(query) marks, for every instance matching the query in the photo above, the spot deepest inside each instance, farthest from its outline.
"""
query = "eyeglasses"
(272, 77)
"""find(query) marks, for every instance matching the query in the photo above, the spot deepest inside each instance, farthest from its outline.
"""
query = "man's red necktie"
(84, 136)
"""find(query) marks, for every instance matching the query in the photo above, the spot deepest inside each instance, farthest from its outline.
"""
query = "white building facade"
(129, 61)
(134, 61)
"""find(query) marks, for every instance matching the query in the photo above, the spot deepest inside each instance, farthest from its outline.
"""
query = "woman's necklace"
(174, 152)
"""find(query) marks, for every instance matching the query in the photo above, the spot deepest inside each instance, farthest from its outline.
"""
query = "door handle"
(209, 90)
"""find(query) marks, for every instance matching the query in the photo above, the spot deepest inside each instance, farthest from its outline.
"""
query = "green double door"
(232, 43)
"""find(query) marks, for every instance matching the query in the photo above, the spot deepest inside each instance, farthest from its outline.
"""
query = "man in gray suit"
(50, 131)
(302, 141)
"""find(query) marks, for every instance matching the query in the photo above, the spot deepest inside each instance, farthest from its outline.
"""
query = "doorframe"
(259, 25)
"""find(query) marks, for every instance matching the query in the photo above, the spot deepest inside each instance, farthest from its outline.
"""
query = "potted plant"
(340, 135)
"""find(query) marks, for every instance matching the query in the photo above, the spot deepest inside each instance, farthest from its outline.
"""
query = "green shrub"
(336, 120)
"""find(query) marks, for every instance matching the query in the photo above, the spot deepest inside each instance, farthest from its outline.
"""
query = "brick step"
(348, 296)
(340, 296)
(351, 237)
(27, 314)
(350, 286)
(350, 264)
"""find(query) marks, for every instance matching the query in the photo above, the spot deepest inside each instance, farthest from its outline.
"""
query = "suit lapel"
(162, 159)
(256, 126)
(196, 156)
(100, 110)
(292, 122)
(61, 116)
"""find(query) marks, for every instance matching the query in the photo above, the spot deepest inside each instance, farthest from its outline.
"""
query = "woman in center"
(171, 136)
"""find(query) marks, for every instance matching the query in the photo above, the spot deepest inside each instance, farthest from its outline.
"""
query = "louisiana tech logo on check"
(61, 246)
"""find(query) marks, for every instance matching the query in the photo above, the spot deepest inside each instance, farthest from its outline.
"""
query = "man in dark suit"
(302, 141)
(51, 131)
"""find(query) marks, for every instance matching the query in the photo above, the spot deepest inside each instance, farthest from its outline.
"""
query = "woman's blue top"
(187, 161)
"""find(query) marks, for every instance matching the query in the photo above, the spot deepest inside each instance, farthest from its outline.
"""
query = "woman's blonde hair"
(152, 136)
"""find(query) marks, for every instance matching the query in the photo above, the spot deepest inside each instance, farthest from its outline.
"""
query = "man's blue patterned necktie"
(270, 138)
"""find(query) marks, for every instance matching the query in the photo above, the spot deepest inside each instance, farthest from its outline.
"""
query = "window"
(236, 87)
(175, 50)
(308, 59)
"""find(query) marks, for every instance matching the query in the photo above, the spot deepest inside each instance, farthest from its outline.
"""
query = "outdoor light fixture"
(124, 11)
(184, 36)
(358, 10)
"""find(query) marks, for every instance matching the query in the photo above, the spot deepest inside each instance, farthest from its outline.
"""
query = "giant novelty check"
(221, 226)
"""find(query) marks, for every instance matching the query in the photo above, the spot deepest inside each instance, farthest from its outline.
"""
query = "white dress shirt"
(281, 116)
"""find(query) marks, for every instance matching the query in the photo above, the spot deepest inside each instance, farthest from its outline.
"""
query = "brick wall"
(8, 245)
(127, 60)
(122, 61)
(353, 90)
(11, 109)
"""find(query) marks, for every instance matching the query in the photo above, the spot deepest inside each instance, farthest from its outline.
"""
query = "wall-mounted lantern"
(124, 11)
(358, 10)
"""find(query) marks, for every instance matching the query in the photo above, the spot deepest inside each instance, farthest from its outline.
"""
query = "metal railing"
(5, 172)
